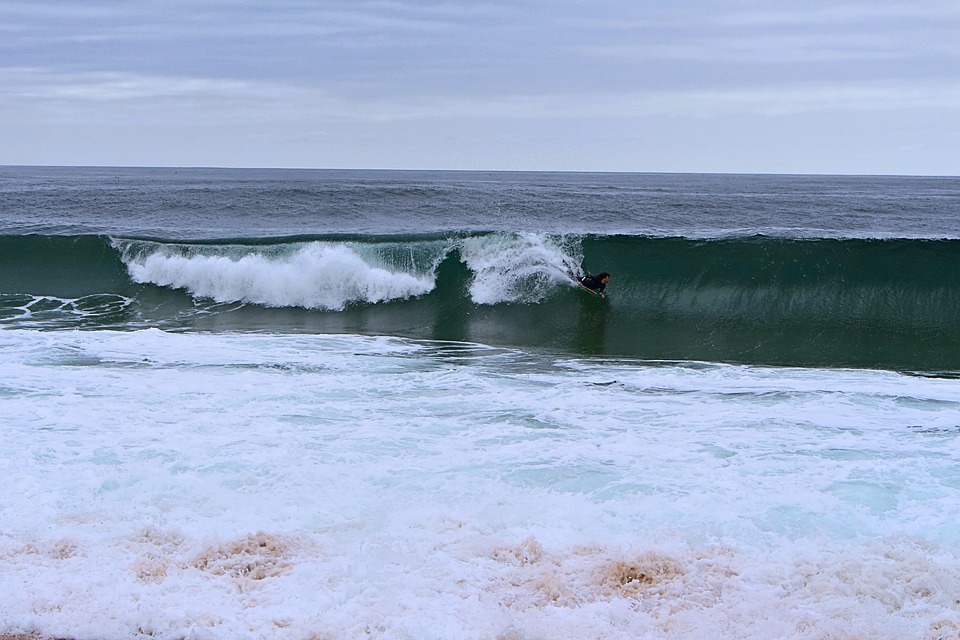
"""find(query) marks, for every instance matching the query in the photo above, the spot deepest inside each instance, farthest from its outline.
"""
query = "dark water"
(814, 271)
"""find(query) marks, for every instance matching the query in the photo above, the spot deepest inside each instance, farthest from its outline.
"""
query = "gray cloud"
(316, 73)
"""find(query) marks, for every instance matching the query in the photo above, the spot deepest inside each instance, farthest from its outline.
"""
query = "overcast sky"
(866, 86)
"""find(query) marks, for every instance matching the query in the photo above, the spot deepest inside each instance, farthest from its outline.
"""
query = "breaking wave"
(888, 303)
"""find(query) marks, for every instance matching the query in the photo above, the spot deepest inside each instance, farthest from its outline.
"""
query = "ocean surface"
(278, 404)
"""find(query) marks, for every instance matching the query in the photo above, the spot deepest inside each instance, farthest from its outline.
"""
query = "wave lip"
(331, 275)
(524, 267)
(313, 275)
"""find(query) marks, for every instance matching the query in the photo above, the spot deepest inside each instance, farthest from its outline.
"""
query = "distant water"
(355, 404)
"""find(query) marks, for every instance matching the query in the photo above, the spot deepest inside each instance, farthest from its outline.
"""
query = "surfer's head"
(603, 277)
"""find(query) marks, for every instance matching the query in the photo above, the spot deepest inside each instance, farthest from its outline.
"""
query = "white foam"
(272, 486)
(25, 309)
(522, 267)
(314, 276)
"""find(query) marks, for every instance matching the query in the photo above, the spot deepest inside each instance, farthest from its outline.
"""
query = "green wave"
(887, 303)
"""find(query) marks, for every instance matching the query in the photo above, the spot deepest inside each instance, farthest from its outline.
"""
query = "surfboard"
(587, 289)
(590, 291)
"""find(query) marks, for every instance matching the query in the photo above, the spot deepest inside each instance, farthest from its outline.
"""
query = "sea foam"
(523, 267)
(314, 276)
(504, 267)
(285, 486)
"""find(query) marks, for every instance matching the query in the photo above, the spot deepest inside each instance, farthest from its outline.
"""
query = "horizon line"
(447, 170)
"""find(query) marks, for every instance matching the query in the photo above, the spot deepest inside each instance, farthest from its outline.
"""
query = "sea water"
(300, 405)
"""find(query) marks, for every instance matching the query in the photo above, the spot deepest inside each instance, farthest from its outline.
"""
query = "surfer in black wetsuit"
(596, 283)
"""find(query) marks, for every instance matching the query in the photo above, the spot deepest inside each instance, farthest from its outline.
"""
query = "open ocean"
(319, 405)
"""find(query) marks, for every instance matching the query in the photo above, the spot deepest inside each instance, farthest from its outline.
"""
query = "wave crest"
(522, 267)
(315, 275)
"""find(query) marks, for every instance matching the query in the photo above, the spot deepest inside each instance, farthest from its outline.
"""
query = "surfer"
(596, 283)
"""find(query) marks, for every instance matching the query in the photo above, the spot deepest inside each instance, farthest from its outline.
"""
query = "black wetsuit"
(593, 283)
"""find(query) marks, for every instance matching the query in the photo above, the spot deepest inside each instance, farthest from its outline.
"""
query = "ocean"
(305, 404)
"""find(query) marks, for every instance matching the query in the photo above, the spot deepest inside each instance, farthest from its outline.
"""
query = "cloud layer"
(850, 88)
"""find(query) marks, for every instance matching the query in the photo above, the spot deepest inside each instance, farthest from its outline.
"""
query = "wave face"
(885, 303)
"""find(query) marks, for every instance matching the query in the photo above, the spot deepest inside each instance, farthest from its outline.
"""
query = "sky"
(729, 86)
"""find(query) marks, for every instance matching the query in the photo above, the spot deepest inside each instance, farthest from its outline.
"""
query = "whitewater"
(326, 405)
